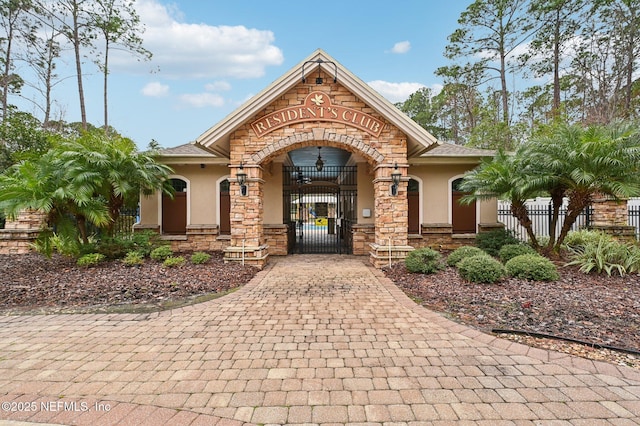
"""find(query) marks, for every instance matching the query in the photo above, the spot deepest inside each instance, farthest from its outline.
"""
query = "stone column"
(18, 235)
(612, 217)
(391, 217)
(247, 211)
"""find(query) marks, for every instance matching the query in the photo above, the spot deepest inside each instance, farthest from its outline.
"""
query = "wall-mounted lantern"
(395, 180)
(242, 180)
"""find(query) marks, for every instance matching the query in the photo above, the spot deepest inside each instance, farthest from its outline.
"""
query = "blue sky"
(211, 56)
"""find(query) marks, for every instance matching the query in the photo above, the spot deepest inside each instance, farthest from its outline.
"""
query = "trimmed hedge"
(424, 261)
(509, 251)
(532, 267)
(492, 241)
(481, 269)
(463, 252)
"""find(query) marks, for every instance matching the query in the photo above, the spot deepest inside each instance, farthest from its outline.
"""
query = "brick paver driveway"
(313, 340)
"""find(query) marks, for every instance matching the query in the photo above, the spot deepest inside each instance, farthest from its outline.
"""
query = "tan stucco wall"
(201, 186)
(273, 193)
(365, 193)
(436, 190)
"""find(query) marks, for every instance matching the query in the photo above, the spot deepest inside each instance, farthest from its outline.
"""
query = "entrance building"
(318, 162)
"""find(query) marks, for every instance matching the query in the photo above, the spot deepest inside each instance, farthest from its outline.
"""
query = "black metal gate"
(319, 208)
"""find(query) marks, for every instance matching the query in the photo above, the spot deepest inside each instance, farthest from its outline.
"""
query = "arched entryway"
(174, 210)
(319, 200)
(463, 216)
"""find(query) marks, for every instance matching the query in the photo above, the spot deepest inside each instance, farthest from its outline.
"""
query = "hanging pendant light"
(319, 162)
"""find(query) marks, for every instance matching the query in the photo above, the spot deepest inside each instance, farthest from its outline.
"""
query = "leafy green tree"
(490, 31)
(423, 108)
(21, 137)
(118, 24)
(557, 24)
(582, 162)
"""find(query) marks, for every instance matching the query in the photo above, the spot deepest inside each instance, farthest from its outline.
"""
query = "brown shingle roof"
(188, 149)
(452, 150)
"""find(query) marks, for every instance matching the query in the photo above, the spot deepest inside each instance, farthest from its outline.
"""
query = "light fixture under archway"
(319, 162)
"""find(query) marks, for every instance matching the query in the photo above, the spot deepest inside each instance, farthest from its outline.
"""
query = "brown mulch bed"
(591, 308)
(32, 283)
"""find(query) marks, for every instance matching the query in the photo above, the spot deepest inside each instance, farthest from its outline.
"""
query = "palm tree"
(580, 163)
(115, 169)
(43, 184)
(504, 176)
(565, 161)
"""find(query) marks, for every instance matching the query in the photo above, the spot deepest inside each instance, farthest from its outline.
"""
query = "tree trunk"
(76, 47)
(519, 211)
(82, 227)
(105, 76)
(577, 203)
(557, 197)
(555, 110)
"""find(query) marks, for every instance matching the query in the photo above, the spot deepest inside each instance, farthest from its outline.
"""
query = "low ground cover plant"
(601, 253)
(90, 259)
(199, 257)
(161, 253)
(173, 261)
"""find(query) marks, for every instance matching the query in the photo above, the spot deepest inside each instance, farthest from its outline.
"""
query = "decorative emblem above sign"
(317, 106)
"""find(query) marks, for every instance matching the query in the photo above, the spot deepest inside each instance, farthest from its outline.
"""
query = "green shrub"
(532, 267)
(424, 261)
(605, 255)
(90, 259)
(145, 241)
(463, 252)
(161, 253)
(200, 257)
(492, 241)
(543, 240)
(133, 258)
(171, 261)
(481, 269)
(584, 236)
(509, 251)
(114, 247)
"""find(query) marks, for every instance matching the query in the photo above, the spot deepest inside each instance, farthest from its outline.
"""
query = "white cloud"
(395, 92)
(186, 50)
(155, 90)
(217, 86)
(401, 47)
(202, 100)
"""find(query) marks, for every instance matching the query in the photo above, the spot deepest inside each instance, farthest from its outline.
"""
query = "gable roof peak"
(419, 140)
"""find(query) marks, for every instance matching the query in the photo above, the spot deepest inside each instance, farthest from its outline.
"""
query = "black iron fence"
(541, 215)
(634, 219)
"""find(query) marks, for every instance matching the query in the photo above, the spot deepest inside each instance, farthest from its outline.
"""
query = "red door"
(174, 211)
(463, 216)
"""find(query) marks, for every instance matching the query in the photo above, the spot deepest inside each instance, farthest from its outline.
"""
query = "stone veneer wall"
(440, 236)
(253, 152)
(612, 217)
(18, 235)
